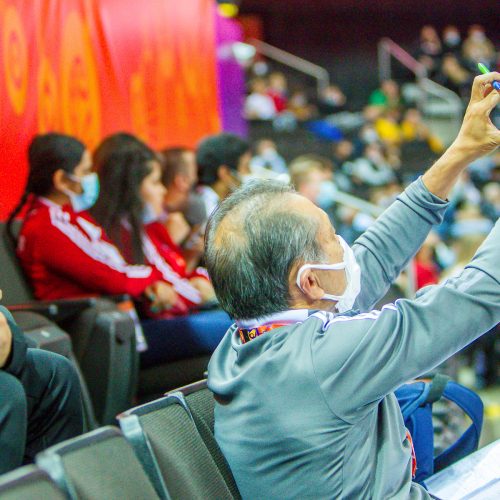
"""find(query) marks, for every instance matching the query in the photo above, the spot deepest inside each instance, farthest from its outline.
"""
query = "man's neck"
(220, 188)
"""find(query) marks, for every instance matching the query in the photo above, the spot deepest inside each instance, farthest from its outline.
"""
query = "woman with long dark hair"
(63, 252)
(130, 208)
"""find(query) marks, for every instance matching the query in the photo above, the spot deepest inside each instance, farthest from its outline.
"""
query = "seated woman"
(63, 250)
(63, 253)
(129, 209)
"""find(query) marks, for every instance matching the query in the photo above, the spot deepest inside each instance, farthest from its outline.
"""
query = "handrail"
(438, 90)
(388, 48)
(293, 61)
(357, 203)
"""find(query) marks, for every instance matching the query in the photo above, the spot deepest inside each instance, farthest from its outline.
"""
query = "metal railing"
(319, 73)
(388, 49)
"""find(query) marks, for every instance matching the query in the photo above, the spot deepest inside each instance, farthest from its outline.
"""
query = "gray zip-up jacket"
(308, 410)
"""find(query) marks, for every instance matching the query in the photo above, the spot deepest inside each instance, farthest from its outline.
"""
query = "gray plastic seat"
(201, 404)
(182, 466)
(28, 483)
(100, 464)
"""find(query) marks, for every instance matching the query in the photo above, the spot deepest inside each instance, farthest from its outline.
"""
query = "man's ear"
(310, 285)
(224, 173)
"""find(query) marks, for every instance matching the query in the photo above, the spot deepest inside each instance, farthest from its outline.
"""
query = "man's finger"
(480, 83)
(489, 102)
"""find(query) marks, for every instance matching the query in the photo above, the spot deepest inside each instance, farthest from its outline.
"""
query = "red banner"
(92, 67)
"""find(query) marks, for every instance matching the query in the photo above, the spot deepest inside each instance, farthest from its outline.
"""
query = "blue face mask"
(149, 214)
(89, 194)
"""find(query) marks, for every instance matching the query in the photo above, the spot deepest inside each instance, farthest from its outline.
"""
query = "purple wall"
(231, 79)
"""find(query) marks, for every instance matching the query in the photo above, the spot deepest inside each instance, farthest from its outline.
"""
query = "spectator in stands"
(452, 41)
(430, 50)
(307, 176)
(278, 91)
(425, 266)
(371, 169)
(62, 250)
(223, 162)
(303, 382)
(414, 129)
(179, 176)
(129, 208)
(300, 106)
(454, 76)
(259, 105)
(343, 151)
(387, 96)
(388, 127)
(491, 201)
(267, 157)
(40, 399)
(478, 48)
(186, 212)
(331, 100)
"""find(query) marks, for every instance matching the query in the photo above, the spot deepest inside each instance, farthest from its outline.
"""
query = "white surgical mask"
(345, 302)
(89, 194)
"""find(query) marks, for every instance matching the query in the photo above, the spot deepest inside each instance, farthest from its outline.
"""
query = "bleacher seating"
(28, 483)
(100, 464)
(165, 449)
(180, 455)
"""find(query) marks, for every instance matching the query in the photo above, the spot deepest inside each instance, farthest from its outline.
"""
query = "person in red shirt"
(129, 209)
(62, 250)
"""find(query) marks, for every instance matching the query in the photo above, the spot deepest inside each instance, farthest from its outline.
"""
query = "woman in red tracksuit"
(64, 253)
(129, 209)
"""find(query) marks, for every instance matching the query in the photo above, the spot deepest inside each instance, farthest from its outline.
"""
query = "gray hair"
(252, 241)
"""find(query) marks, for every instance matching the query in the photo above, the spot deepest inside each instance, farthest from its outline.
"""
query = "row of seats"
(98, 335)
(164, 449)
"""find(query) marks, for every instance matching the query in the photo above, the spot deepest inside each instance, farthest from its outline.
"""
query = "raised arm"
(385, 249)
(360, 360)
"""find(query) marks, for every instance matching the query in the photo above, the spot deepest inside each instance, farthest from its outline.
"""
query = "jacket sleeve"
(98, 267)
(359, 360)
(385, 248)
(17, 356)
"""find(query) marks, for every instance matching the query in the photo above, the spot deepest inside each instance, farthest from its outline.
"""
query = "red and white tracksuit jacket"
(67, 254)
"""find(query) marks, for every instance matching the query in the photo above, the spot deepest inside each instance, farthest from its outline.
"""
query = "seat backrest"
(100, 464)
(201, 404)
(184, 462)
(27, 483)
(16, 289)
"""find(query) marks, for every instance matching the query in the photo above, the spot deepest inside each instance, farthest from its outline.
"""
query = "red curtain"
(92, 67)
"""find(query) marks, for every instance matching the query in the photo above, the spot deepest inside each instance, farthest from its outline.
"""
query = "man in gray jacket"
(304, 380)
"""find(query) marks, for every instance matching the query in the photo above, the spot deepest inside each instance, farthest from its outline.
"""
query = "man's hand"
(5, 340)
(477, 137)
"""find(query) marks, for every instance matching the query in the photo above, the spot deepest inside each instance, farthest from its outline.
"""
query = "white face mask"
(345, 302)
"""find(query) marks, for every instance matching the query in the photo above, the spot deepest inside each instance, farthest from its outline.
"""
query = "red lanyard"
(248, 334)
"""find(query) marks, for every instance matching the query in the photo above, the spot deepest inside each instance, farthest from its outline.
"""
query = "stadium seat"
(103, 337)
(28, 483)
(181, 466)
(201, 403)
(100, 464)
